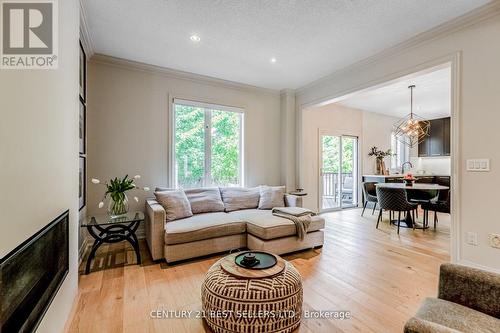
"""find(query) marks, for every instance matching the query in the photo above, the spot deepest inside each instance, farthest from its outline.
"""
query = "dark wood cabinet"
(447, 136)
(436, 138)
(423, 148)
(438, 141)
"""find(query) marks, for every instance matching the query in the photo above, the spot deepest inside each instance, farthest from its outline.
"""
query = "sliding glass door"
(338, 172)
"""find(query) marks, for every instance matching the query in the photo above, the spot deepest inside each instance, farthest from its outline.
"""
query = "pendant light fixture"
(412, 129)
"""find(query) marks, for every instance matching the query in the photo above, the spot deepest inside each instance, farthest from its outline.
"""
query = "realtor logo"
(29, 34)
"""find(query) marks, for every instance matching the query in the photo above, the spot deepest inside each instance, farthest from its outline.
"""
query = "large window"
(208, 149)
(401, 152)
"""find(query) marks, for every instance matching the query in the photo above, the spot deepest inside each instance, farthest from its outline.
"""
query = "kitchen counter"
(427, 178)
(397, 178)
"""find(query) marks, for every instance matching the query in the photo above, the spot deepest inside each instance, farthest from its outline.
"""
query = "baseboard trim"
(82, 250)
(474, 265)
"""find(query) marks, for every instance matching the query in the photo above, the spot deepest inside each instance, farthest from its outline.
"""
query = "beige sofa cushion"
(236, 198)
(263, 224)
(205, 200)
(456, 316)
(203, 226)
(175, 203)
(271, 196)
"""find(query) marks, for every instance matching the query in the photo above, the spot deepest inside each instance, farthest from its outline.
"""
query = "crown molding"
(287, 91)
(85, 35)
(460, 23)
(173, 73)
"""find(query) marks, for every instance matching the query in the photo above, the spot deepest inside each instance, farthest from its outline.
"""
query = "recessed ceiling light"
(273, 60)
(195, 38)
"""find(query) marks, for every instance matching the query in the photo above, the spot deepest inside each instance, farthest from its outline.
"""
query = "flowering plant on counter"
(117, 188)
(409, 176)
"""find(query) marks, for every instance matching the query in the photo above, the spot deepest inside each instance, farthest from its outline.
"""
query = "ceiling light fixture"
(273, 60)
(195, 38)
(412, 129)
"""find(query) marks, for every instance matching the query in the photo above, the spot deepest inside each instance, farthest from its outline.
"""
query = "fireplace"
(30, 276)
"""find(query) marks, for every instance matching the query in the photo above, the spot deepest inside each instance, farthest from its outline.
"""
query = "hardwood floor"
(378, 276)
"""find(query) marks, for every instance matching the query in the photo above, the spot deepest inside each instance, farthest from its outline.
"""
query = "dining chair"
(370, 195)
(441, 206)
(421, 196)
(394, 199)
(347, 188)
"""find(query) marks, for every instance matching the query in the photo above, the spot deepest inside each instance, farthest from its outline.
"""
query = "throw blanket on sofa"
(301, 217)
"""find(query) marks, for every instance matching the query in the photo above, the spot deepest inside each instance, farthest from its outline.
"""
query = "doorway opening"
(371, 114)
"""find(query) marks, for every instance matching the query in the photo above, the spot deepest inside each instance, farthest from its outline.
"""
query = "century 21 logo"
(28, 28)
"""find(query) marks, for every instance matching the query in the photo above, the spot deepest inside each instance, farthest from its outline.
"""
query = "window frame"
(207, 109)
(395, 157)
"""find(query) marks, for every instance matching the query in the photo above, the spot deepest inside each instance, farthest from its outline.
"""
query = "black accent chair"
(394, 199)
(370, 195)
(437, 206)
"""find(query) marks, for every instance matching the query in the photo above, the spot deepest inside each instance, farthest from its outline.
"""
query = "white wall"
(377, 130)
(127, 119)
(334, 119)
(288, 137)
(479, 116)
(39, 155)
(372, 129)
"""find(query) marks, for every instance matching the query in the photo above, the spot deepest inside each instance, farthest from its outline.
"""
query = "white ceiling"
(309, 39)
(431, 96)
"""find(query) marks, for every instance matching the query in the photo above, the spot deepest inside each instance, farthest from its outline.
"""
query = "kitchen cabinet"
(423, 147)
(437, 143)
(436, 138)
(447, 136)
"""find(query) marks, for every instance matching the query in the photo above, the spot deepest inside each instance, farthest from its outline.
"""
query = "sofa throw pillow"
(271, 196)
(205, 200)
(236, 198)
(175, 203)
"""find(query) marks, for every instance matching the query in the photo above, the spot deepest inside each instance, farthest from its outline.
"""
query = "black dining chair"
(370, 195)
(421, 196)
(396, 200)
(437, 206)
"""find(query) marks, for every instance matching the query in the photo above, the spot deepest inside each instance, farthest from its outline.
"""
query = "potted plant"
(116, 189)
(380, 155)
(409, 179)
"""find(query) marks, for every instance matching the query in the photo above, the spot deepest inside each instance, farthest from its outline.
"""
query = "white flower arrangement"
(116, 188)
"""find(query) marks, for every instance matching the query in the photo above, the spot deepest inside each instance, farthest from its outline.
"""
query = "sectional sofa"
(230, 229)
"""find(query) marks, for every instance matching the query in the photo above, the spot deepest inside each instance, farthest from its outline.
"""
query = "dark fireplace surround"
(31, 274)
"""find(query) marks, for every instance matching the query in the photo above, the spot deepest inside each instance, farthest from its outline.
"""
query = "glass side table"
(105, 229)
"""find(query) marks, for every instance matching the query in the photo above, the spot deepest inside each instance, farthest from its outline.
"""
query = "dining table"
(408, 222)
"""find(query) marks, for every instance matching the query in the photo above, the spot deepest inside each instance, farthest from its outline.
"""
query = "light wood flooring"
(378, 276)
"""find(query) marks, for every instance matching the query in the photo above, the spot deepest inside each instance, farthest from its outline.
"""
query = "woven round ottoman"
(236, 299)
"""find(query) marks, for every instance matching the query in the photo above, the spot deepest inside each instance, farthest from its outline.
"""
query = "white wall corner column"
(288, 138)
(39, 149)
